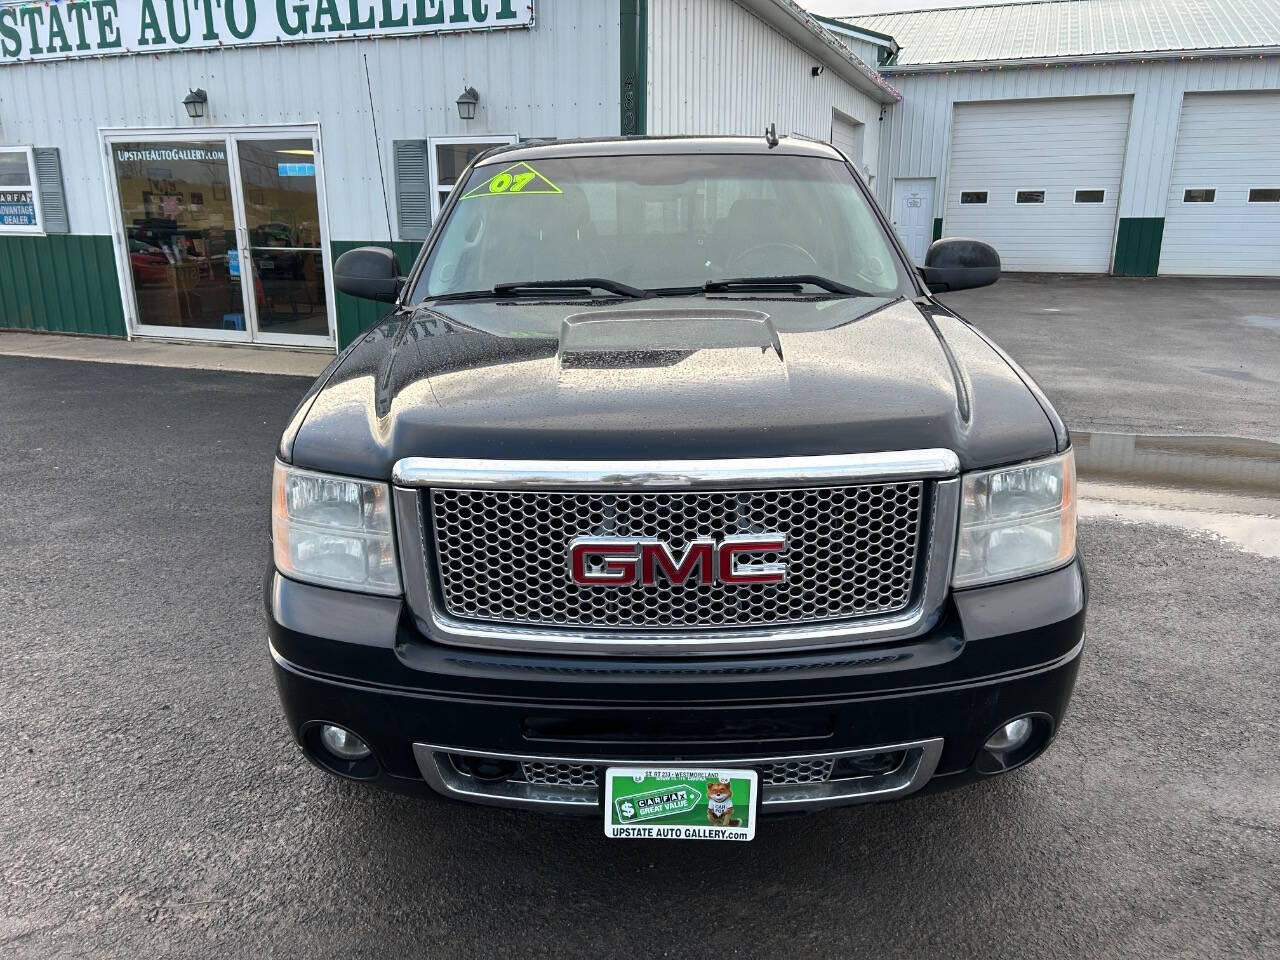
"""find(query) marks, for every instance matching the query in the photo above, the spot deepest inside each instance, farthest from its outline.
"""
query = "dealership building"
(1134, 137)
(190, 169)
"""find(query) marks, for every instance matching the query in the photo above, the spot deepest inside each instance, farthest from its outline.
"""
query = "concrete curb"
(233, 358)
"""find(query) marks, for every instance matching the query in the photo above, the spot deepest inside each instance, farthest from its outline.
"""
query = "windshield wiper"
(792, 283)
(586, 283)
(542, 288)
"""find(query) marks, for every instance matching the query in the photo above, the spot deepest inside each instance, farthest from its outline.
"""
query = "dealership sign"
(18, 208)
(90, 28)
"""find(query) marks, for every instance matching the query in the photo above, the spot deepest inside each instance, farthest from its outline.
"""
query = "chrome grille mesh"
(797, 771)
(561, 774)
(502, 555)
(790, 772)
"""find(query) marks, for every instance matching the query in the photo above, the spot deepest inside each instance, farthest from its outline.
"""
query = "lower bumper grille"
(561, 774)
(786, 783)
(588, 775)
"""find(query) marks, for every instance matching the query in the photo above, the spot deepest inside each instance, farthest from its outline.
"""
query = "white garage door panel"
(1058, 146)
(1228, 142)
(847, 136)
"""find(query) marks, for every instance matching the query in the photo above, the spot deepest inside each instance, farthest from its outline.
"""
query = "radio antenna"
(373, 118)
(771, 135)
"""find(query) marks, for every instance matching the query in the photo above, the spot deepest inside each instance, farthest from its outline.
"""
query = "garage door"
(1039, 180)
(846, 136)
(1223, 215)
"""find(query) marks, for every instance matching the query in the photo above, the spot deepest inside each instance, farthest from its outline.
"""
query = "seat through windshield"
(661, 223)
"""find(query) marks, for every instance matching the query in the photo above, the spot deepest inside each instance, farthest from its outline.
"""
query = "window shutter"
(53, 200)
(413, 196)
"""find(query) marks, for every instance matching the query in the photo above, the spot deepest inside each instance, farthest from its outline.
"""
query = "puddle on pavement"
(1226, 486)
(1256, 320)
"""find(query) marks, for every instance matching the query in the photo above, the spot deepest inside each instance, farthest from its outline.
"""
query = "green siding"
(937, 228)
(1138, 246)
(633, 72)
(68, 284)
(61, 283)
(357, 316)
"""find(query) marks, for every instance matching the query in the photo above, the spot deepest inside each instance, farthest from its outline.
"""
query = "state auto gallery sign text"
(64, 30)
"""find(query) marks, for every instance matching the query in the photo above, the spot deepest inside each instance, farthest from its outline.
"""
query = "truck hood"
(687, 378)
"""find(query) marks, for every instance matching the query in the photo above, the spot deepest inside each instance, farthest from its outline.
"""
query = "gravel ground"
(154, 804)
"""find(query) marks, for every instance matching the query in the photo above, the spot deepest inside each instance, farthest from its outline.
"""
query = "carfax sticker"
(673, 803)
(519, 179)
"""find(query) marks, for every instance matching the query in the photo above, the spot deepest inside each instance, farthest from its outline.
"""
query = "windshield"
(660, 222)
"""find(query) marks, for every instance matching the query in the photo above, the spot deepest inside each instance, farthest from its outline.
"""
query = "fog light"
(1011, 736)
(343, 744)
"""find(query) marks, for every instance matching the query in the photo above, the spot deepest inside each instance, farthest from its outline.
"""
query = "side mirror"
(955, 263)
(371, 273)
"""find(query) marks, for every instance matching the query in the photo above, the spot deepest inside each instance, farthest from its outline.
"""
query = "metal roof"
(1076, 29)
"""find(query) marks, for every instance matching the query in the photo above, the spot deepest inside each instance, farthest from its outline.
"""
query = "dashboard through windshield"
(660, 223)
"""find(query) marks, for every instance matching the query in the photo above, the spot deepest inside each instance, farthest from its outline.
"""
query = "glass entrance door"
(224, 236)
(283, 249)
(179, 235)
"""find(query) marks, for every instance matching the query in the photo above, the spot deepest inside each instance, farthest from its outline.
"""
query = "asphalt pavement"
(1141, 354)
(154, 804)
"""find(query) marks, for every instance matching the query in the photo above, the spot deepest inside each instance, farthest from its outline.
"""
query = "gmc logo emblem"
(624, 562)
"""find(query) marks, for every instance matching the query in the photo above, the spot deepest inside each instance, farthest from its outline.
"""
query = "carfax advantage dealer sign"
(65, 29)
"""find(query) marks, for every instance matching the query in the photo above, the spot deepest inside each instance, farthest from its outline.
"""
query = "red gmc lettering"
(620, 560)
(700, 553)
(730, 572)
(608, 562)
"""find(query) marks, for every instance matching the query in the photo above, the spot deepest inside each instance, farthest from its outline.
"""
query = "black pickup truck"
(668, 492)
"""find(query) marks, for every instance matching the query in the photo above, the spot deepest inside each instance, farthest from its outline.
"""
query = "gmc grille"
(500, 555)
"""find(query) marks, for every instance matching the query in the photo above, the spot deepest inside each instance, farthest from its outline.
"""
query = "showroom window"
(425, 172)
(1091, 196)
(973, 196)
(1030, 196)
(450, 156)
(1264, 195)
(19, 192)
(1199, 195)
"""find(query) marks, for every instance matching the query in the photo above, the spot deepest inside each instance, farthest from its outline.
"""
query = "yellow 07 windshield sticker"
(517, 180)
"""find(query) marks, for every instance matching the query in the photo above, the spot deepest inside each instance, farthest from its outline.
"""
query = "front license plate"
(680, 803)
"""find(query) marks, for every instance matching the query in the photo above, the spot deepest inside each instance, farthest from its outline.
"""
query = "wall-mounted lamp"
(195, 102)
(467, 103)
(816, 71)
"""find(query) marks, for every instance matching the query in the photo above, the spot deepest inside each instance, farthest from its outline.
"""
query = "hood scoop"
(640, 339)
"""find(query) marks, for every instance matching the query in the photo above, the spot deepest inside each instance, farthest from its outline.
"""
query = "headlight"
(333, 531)
(1016, 521)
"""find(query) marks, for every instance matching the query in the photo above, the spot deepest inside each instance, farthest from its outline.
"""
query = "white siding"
(559, 78)
(1054, 146)
(864, 50)
(918, 130)
(716, 68)
(1228, 142)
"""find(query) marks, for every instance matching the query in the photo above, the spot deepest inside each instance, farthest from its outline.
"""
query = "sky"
(848, 8)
